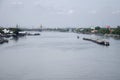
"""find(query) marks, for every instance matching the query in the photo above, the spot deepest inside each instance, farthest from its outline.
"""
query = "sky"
(59, 13)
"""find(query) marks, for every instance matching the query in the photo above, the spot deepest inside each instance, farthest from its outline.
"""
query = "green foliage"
(116, 31)
(118, 27)
(78, 30)
(63, 30)
(1, 30)
(84, 30)
(15, 30)
(87, 30)
(104, 31)
(97, 28)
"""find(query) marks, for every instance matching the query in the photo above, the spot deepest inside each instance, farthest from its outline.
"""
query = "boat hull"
(101, 42)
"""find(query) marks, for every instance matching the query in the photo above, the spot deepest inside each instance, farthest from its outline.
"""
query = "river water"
(59, 56)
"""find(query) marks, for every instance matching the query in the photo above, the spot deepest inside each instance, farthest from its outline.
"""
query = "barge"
(98, 41)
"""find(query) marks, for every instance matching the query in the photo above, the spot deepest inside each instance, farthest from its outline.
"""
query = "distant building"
(7, 31)
(94, 31)
(92, 27)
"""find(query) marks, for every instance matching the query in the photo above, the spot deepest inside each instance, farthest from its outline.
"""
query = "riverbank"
(4, 38)
(112, 35)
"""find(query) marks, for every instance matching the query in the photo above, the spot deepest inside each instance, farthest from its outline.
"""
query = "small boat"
(98, 41)
(3, 41)
(77, 37)
(33, 34)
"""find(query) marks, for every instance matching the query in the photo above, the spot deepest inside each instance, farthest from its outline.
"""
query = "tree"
(97, 28)
(118, 27)
(104, 31)
(116, 31)
(15, 30)
(1, 30)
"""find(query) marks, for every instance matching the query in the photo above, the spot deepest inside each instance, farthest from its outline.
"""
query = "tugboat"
(98, 41)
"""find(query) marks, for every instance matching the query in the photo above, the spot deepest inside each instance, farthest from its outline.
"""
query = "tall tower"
(17, 25)
(41, 27)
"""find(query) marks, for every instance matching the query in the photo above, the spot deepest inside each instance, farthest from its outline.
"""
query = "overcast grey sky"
(59, 13)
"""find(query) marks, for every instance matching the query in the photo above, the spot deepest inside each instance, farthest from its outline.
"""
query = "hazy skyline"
(59, 13)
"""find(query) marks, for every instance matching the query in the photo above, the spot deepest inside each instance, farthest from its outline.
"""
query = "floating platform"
(98, 41)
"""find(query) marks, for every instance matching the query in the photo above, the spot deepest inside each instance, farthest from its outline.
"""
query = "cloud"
(116, 12)
(71, 11)
(93, 12)
(37, 3)
(17, 3)
(65, 12)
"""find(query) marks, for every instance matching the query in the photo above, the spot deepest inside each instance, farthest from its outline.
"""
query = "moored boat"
(3, 41)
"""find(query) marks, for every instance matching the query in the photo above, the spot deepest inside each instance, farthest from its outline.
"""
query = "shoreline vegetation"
(107, 32)
(19, 32)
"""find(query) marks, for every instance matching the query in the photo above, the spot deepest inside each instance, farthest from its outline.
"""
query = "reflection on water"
(15, 38)
(59, 56)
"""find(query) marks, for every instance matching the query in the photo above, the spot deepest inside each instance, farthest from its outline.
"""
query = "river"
(59, 56)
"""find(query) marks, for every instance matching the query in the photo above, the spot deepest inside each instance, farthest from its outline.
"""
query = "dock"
(98, 41)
